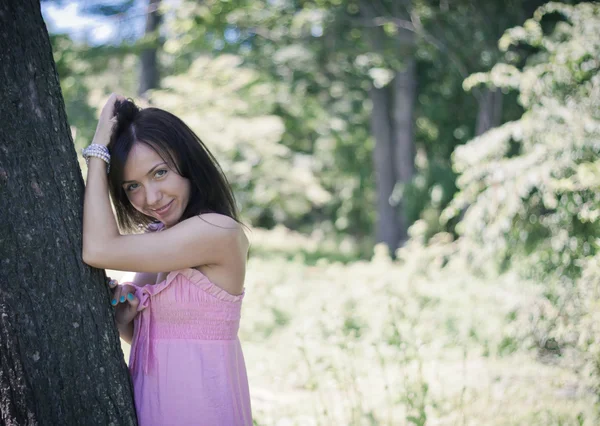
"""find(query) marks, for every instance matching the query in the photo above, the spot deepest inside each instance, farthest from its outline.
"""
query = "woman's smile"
(163, 210)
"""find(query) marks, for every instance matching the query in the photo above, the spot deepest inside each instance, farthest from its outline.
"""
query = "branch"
(415, 26)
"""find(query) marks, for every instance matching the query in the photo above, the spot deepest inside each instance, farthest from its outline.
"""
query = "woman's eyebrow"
(150, 171)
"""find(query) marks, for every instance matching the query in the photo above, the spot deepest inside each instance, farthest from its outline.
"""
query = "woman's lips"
(164, 209)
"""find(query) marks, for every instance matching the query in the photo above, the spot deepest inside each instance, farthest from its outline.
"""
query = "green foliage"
(321, 54)
(320, 98)
(529, 189)
(87, 75)
(584, 315)
(316, 58)
(72, 68)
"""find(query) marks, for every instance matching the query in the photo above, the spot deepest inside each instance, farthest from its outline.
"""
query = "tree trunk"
(392, 123)
(387, 225)
(60, 355)
(149, 76)
(403, 116)
(490, 111)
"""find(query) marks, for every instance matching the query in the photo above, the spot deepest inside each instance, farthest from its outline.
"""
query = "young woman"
(182, 236)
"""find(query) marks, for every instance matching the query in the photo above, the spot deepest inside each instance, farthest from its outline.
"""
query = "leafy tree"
(530, 185)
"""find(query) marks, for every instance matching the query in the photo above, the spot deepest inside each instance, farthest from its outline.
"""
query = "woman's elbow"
(90, 257)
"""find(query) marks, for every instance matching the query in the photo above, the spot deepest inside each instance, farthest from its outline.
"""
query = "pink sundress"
(186, 361)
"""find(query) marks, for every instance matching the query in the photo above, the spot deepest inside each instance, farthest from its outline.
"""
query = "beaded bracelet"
(99, 151)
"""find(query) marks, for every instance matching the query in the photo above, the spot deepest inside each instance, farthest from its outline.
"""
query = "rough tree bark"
(60, 355)
(149, 75)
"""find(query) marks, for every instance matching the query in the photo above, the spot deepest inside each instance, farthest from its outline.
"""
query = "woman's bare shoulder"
(220, 220)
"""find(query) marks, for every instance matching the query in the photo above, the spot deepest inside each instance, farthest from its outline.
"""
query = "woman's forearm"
(99, 224)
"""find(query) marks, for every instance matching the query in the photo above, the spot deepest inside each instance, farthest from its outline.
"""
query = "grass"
(398, 343)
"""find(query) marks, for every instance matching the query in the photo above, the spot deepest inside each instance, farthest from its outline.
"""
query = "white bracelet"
(98, 151)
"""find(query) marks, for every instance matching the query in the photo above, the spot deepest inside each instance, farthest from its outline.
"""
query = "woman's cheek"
(134, 199)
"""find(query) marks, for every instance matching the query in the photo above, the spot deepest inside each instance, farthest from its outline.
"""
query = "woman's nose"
(153, 198)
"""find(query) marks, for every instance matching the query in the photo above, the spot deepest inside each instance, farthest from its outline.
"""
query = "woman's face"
(152, 187)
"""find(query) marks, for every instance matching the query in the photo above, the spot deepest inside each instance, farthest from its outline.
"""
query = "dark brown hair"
(181, 149)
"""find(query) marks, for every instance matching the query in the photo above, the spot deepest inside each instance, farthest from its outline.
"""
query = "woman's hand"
(107, 120)
(124, 301)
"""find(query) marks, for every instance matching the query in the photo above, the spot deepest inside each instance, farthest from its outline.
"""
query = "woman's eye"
(131, 187)
(160, 173)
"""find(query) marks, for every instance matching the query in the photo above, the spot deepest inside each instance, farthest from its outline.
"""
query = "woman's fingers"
(125, 291)
(122, 293)
(124, 300)
(116, 295)
(112, 283)
(105, 122)
(127, 304)
(128, 295)
(133, 301)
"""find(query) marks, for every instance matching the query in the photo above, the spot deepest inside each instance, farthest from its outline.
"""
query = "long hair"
(181, 149)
